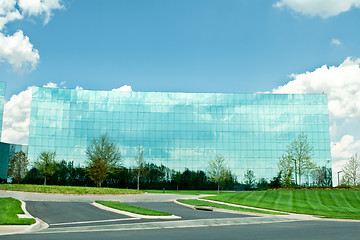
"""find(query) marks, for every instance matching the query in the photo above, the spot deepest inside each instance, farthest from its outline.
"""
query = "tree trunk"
(45, 180)
(218, 187)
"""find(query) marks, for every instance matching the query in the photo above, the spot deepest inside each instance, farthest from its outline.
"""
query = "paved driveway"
(71, 214)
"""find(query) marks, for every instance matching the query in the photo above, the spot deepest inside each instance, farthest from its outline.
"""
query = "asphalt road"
(72, 214)
(319, 230)
(80, 220)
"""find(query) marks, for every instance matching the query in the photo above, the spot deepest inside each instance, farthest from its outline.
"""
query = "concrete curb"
(134, 215)
(185, 205)
(21, 229)
(223, 210)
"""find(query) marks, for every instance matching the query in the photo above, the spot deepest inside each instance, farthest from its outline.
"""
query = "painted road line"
(98, 221)
(172, 224)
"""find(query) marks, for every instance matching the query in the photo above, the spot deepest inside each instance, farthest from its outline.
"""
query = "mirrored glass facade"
(7, 151)
(2, 102)
(180, 130)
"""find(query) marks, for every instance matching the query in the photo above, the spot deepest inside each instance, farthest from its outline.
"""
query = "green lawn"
(9, 207)
(65, 189)
(326, 203)
(185, 192)
(132, 209)
(196, 202)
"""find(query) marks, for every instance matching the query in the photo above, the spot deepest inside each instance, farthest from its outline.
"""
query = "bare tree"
(18, 166)
(249, 177)
(299, 153)
(351, 171)
(140, 164)
(217, 171)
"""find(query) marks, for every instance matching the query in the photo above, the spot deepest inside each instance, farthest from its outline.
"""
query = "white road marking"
(172, 224)
(99, 221)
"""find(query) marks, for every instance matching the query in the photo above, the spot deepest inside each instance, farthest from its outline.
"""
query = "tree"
(18, 166)
(322, 176)
(46, 164)
(177, 179)
(286, 167)
(250, 180)
(299, 153)
(98, 171)
(217, 171)
(103, 158)
(276, 181)
(140, 165)
(351, 171)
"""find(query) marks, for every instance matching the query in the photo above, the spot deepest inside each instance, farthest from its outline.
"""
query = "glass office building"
(180, 130)
(7, 150)
(2, 102)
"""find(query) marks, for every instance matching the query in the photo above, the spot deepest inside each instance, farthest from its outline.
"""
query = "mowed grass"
(65, 189)
(132, 209)
(196, 202)
(324, 203)
(185, 192)
(9, 207)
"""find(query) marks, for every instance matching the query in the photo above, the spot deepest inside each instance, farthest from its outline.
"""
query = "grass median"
(196, 202)
(9, 208)
(343, 204)
(132, 209)
(65, 189)
(185, 192)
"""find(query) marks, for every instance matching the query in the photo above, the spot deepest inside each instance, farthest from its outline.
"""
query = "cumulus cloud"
(335, 42)
(39, 8)
(17, 50)
(322, 8)
(125, 88)
(8, 12)
(51, 85)
(16, 119)
(342, 85)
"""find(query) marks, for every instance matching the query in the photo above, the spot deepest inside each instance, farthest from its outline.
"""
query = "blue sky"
(192, 46)
(237, 46)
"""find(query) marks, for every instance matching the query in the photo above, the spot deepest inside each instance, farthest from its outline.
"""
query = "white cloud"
(342, 85)
(322, 8)
(40, 7)
(18, 51)
(79, 88)
(51, 85)
(8, 12)
(125, 88)
(335, 42)
(16, 119)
